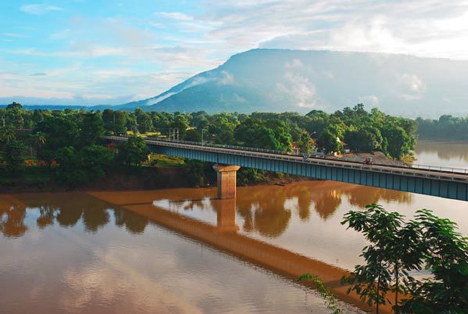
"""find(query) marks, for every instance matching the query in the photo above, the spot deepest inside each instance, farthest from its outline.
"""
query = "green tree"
(364, 140)
(92, 129)
(7, 134)
(59, 131)
(182, 123)
(14, 156)
(305, 143)
(96, 161)
(398, 248)
(115, 122)
(446, 257)
(269, 135)
(133, 152)
(145, 124)
(329, 141)
(399, 143)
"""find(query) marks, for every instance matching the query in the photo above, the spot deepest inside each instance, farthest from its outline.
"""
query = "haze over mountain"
(298, 80)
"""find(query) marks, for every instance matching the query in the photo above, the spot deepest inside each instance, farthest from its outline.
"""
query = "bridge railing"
(439, 168)
(277, 152)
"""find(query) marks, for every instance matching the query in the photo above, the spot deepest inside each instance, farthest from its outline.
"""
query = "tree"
(7, 134)
(305, 143)
(329, 141)
(145, 124)
(399, 143)
(133, 152)
(446, 257)
(60, 132)
(115, 122)
(269, 135)
(96, 161)
(397, 248)
(366, 139)
(181, 122)
(14, 156)
(92, 129)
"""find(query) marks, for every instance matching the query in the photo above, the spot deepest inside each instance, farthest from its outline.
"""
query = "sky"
(86, 52)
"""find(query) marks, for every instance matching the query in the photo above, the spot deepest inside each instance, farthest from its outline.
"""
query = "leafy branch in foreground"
(398, 248)
(330, 299)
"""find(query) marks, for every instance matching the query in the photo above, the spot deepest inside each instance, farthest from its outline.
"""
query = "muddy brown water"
(182, 251)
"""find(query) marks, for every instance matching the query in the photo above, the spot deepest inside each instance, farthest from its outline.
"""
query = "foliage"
(399, 143)
(7, 134)
(364, 140)
(446, 127)
(14, 156)
(272, 134)
(133, 152)
(89, 164)
(397, 248)
(446, 256)
(330, 299)
(196, 172)
(329, 141)
(92, 129)
(305, 143)
(247, 176)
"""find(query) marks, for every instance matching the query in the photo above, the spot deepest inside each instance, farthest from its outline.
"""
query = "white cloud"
(39, 9)
(176, 16)
(411, 86)
(300, 88)
(294, 64)
(421, 27)
(370, 100)
(15, 35)
(226, 79)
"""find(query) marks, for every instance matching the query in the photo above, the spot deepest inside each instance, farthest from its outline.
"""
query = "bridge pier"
(226, 215)
(226, 177)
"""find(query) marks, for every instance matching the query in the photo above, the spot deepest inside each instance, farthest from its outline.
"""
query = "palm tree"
(37, 140)
(7, 134)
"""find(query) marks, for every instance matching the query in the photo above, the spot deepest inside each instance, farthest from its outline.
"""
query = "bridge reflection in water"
(222, 233)
(224, 236)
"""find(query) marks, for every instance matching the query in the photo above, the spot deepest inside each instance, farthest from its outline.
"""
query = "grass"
(165, 161)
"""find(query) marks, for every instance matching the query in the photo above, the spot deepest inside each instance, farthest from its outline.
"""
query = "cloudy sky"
(112, 52)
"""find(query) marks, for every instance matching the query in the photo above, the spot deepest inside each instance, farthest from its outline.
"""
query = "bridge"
(434, 181)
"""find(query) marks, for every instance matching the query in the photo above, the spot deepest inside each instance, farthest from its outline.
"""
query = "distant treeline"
(446, 128)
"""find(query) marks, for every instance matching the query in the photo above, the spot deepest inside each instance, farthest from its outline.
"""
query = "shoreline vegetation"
(64, 149)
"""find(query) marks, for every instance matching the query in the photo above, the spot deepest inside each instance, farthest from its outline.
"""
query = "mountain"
(299, 80)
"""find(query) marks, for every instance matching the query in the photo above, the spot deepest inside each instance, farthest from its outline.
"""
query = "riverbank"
(136, 178)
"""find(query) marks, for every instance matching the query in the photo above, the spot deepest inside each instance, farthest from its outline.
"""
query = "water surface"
(183, 251)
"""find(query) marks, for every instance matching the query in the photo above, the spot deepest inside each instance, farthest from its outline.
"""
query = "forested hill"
(445, 128)
(272, 80)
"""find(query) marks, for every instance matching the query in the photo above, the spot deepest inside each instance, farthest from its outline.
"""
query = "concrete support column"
(226, 181)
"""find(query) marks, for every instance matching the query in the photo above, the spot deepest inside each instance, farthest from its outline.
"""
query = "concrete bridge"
(228, 159)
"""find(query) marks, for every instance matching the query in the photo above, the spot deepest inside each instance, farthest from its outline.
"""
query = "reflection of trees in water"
(12, 216)
(268, 209)
(444, 150)
(67, 210)
(365, 195)
(133, 222)
(263, 207)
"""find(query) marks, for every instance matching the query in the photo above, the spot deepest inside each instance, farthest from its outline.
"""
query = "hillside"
(296, 80)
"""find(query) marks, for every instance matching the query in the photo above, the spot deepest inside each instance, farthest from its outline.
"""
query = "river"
(182, 251)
